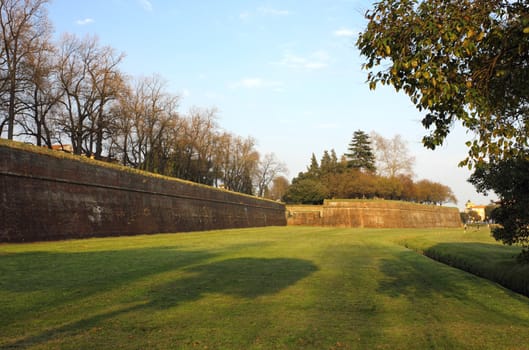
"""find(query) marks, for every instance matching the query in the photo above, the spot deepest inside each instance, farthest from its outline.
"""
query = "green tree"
(460, 60)
(313, 170)
(489, 209)
(306, 191)
(360, 153)
(465, 61)
(326, 165)
(509, 180)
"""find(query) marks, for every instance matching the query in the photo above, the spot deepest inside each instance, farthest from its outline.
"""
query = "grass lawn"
(265, 288)
(474, 251)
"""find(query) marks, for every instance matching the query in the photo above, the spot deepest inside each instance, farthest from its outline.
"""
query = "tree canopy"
(360, 152)
(510, 180)
(465, 61)
(332, 178)
(462, 60)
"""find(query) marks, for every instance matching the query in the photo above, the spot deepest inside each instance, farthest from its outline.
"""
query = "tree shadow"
(241, 277)
(417, 278)
(66, 278)
(491, 261)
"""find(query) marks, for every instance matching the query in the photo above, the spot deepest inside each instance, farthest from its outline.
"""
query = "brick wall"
(374, 214)
(48, 195)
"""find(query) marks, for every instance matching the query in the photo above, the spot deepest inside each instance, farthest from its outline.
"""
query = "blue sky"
(284, 72)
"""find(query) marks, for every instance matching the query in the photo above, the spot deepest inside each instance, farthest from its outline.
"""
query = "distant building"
(479, 209)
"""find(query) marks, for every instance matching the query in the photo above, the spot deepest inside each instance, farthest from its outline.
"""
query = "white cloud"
(272, 11)
(314, 61)
(85, 21)
(257, 83)
(344, 32)
(146, 4)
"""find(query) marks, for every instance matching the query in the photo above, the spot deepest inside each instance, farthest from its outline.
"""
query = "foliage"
(432, 192)
(473, 216)
(457, 60)
(489, 209)
(306, 191)
(465, 61)
(339, 181)
(509, 179)
(360, 152)
(334, 289)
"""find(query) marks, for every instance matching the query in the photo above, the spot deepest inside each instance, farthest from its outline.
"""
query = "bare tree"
(392, 156)
(268, 169)
(238, 161)
(197, 146)
(22, 23)
(89, 79)
(146, 120)
(278, 189)
(42, 94)
(107, 82)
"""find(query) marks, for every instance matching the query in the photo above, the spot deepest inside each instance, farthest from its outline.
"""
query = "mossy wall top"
(374, 214)
(48, 195)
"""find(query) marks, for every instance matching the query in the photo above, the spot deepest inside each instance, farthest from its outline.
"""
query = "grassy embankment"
(476, 252)
(266, 288)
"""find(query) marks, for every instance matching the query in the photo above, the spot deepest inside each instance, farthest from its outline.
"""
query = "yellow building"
(479, 209)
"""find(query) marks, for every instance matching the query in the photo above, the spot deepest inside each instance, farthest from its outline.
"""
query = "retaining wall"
(46, 195)
(373, 214)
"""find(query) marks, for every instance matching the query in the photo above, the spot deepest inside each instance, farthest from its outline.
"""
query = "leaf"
(526, 30)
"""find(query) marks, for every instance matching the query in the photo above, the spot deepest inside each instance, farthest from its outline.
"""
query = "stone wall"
(49, 195)
(373, 214)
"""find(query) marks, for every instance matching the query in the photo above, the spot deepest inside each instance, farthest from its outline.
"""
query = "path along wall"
(49, 195)
(374, 214)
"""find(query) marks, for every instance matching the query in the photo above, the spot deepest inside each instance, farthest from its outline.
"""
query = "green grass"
(265, 288)
(477, 252)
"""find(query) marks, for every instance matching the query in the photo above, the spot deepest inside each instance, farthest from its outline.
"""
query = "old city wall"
(49, 195)
(374, 214)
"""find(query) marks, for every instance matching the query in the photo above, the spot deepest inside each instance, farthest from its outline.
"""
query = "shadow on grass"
(65, 278)
(492, 261)
(241, 277)
(408, 275)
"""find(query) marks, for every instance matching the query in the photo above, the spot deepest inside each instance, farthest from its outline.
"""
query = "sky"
(286, 73)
